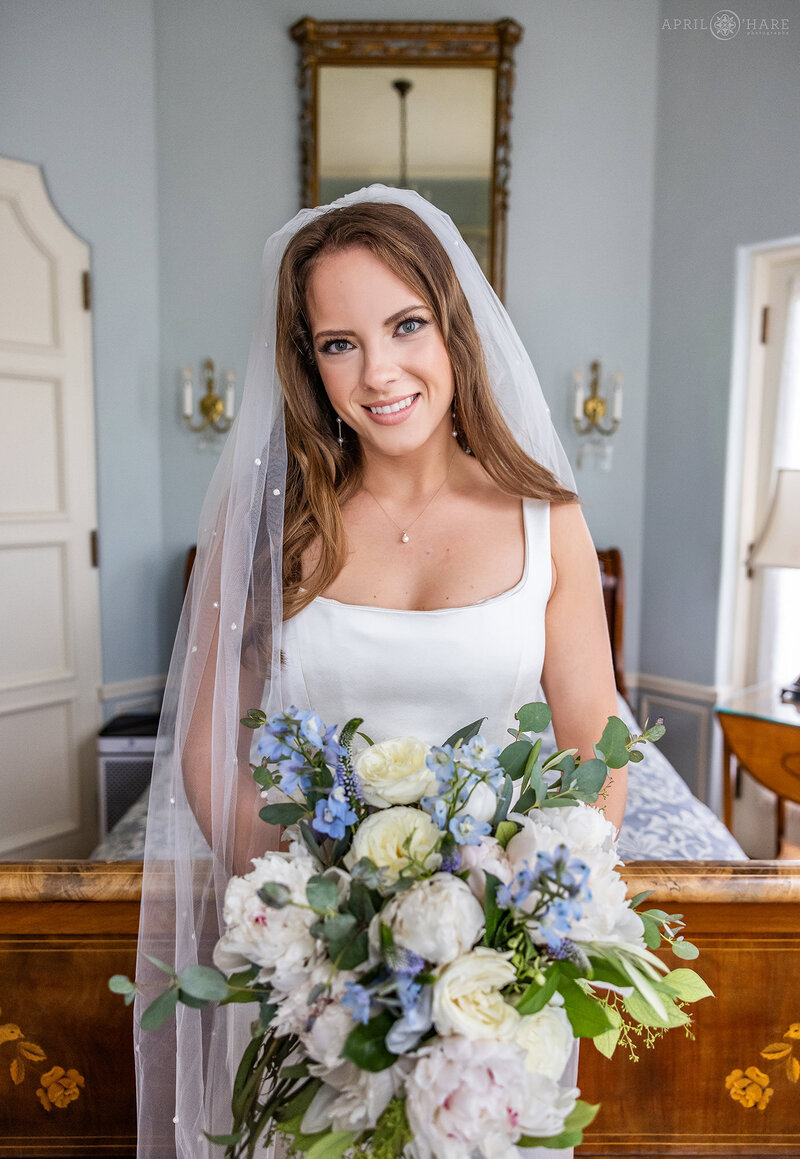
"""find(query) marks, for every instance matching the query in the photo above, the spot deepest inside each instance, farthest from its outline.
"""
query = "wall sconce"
(591, 419)
(216, 413)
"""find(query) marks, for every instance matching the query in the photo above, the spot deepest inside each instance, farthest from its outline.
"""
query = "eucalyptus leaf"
(514, 756)
(160, 1009)
(685, 950)
(367, 871)
(533, 717)
(635, 756)
(284, 813)
(322, 894)
(161, 965)
(121, 984)
(640, 897)
(613, 743)
(203, 982)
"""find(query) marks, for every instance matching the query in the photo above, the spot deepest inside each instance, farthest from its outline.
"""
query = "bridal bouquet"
(425, 955)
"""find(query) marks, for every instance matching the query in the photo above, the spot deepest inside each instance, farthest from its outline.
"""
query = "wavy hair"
(321, 474)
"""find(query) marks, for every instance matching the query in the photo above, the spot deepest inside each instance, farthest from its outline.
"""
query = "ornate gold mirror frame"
(410, 46)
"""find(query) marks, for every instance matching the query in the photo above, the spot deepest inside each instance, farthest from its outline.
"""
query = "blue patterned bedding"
(663, 821)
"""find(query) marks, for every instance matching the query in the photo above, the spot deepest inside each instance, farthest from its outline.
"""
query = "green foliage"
(533, 717)
(513, 757)
(203, 982)
(492, 911)
(322, 894)
(274, 894)
(160, 1009)
(505, 831)
(613, 744)
(389, 1136)
(285, 813)
(538, 994)
(366, 1043)
(503, 802)
(587, 1016)
(466, 733)
(575, 1124)
(254, 719)
(685, 950)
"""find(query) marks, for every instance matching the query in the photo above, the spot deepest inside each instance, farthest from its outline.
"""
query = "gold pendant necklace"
(404, 537)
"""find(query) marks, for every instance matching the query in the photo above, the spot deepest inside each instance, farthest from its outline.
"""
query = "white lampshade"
(779, 542)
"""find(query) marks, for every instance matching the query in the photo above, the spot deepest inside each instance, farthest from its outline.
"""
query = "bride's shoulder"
(572, 551)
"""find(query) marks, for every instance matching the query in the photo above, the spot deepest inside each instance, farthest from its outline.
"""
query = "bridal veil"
(203, 822)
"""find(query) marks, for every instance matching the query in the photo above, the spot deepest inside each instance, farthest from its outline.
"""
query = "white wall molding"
(667, 686)
(141, 687)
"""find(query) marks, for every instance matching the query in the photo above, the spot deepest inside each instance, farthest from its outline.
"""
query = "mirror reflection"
(429, 129)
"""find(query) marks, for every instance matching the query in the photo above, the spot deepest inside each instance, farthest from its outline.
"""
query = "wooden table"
(762, 734)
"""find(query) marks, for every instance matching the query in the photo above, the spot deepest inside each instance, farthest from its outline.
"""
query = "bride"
(392, 532)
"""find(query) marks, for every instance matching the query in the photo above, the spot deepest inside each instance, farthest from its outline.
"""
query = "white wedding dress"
(426, 673)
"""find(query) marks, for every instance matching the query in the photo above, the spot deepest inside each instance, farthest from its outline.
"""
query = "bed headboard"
(613, 575)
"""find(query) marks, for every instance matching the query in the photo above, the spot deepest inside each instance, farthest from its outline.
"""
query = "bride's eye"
(417, 324)
(335, 346)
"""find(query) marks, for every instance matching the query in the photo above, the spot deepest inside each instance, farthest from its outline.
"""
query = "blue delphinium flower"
(274, 748)
(478, 754)
(416, 1021)
(468, 831)
(437, 808)
(518, 889)
(333, 814)
(440, 761)
(408, 992)
(356, 998)
(292, 777)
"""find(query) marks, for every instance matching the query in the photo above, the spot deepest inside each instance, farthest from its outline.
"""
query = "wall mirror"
(423, 105)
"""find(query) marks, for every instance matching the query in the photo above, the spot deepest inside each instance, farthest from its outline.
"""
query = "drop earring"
(453, 414)
(340, 440)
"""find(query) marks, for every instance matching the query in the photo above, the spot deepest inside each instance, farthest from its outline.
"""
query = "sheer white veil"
(203, 819)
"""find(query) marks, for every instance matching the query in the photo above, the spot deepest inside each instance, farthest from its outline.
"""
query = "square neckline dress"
(425, 672)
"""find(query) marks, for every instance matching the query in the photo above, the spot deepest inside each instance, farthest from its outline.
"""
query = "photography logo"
(724, 24)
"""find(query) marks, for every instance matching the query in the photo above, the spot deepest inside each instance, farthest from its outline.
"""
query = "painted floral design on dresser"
(57, 1087)
(752, 1087)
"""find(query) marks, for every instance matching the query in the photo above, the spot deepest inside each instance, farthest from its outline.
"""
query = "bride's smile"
(380, 354)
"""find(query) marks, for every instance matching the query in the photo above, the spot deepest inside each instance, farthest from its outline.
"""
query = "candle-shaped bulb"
(188, 401)
(230, 395)
(617, 405)
(580, 395)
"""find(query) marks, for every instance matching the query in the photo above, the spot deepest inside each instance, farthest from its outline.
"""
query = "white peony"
(278, 940)
(486, 857)
(467, 998)
(465, 1097)
(394, 772)
(481, 803)
(607, 917)
(381, 836)
(547, 1039)
(351, 1099)
(437, 918)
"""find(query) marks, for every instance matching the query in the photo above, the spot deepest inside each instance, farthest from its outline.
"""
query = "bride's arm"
(248, 836)
(578, 673)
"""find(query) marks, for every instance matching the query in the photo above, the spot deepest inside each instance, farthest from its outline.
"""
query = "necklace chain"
(404, 538)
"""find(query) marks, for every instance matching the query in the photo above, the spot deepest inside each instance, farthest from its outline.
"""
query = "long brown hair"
(321, 474)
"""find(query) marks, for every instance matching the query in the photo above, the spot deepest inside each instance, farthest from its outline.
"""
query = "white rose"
(438, 918)
(381, 836)
(467, 998)
(394, 772)
(278, 940)
(481, 803)
(466, 1097)
(486, 857)
(547, 1039)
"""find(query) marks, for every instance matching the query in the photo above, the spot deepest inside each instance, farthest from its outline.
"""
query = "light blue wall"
(579, 228)
(168, 133)
(727, 174)
(77, 97)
